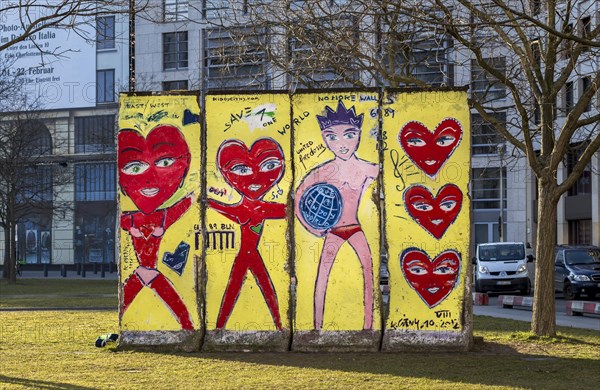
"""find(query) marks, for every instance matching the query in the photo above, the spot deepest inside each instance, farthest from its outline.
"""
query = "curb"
(578, 308)
(508, 301)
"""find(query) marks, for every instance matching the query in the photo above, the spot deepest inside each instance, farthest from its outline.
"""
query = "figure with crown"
(327, 203)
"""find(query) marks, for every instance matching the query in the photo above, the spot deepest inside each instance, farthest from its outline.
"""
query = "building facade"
(182, 45)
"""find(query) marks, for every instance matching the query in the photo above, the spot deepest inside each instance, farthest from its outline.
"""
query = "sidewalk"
(28, 274)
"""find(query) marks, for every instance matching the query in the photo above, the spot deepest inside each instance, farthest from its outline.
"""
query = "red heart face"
(251, 172)
(433, 279)
(152, 168)
(434, 214)
(430, 150)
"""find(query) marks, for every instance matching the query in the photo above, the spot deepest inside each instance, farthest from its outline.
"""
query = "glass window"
(234, 58)
(176, 85)
(585, 84)
(105, 86)
(105, 32)
(485, 188)
(485, 137)
(175, 10)
(35, 184)
(214, 8)
(583, 186)
(95, 181)
(95, 134)
(485, 86)
(175, 50)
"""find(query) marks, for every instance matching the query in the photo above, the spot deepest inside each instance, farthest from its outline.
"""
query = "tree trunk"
(6, 255)
(544, 310)
(12, 269)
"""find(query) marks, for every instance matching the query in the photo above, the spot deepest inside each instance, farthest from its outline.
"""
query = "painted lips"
(429, 151)
(434, 214)
(433, 280)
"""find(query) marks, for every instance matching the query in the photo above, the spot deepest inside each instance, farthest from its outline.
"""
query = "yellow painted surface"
(148, 312)
(344, 308)
(407, 309)
(247, 118)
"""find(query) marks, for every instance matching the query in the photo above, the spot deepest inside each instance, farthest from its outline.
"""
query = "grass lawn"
(55, 350)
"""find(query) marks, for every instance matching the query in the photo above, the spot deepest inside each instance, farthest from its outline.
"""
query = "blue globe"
(321, 206)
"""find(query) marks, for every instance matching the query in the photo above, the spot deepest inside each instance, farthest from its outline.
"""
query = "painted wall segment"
(426, 173)
(158, 163)
(337, 221)
(248, 179)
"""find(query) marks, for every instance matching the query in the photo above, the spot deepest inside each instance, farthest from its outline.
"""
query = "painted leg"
(234, 285)
(331, 246)
(265, 284)
(360, 245)
(133, 285)
(165, 290)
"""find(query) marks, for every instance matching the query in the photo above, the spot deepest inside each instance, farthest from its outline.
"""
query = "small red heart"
(434, 214)
(430, 150)
(433, 279)
(152, 168)
(251, 172)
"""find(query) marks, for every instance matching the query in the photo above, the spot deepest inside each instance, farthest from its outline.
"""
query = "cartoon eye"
(445, 140)
(331, 137)
(269, 165)
(422, 206)
(418, 142)
(241, 170)
(444, 270)
(417, 270)
(165, 162)
(135, 168)
(350, 135)
(447, 205)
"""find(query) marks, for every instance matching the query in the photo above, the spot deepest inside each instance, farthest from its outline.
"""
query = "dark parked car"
(577, 271)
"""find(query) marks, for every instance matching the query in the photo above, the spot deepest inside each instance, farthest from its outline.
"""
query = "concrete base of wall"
(180, 340)
(420, 340)
(336, 341)
(250, 341)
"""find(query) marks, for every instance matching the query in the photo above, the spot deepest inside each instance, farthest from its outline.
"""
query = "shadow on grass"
(492, 364)
(37, 384)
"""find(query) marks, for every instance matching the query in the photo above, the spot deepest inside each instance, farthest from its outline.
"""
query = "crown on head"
(340, 117)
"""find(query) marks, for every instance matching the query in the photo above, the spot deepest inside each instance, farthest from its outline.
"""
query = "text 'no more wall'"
(264, 231)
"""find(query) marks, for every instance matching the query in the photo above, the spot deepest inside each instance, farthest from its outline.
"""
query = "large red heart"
(433, 279)
(434, 214)
(152, 168)
(430, 150)
(251, 172)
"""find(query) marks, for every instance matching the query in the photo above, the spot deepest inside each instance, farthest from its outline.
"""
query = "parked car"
(502, 266)
(577, 271)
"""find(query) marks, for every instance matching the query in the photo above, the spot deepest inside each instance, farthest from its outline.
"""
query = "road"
(524, 314)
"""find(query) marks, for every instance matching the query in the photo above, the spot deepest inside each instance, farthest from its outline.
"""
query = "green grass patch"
(49, 293)
(55, 350)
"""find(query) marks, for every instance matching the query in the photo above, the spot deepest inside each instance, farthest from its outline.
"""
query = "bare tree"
(526, 57)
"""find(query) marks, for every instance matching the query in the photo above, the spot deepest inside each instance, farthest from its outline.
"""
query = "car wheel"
(569, 293)
(527, 290)
(478, 286)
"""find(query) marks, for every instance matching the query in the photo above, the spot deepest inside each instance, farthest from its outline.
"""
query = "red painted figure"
(151, 170)
(251, 172)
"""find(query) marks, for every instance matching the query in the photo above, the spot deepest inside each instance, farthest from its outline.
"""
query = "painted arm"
(177, 210)
(126, 221)
(228, 210)
(277, 210)
(372, 174)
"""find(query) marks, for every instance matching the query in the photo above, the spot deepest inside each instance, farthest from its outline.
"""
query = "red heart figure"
(433, 279)
(251, 172)
(152, 168)
(429, 151)
(434, 214)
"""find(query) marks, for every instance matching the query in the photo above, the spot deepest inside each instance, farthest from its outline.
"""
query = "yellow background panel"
(344, 308)
(237, 117)
(148, 312)
(407, 309)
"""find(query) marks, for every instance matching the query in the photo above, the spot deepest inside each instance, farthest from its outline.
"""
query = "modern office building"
(182, 45)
